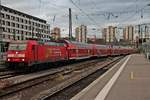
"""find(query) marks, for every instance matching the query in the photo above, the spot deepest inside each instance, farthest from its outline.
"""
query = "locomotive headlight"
(8, 59)
(22, 59)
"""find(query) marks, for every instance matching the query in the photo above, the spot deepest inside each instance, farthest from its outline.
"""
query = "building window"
(10, 11)
(19, 14)
(2, 15)
(3, 22)
(8, 23)
(21, 32)
(26, 27)
(14, 30)
(23, 15)
(3, 29)
(3, 35)
(32, 23)
(30, 33)
(22, 26)
(21, 20)
(5, 9)
(17, 31)
(38, 25)
(9, 36)
(15, 13)
(11, 30)
(13, 24)
(26, 21)
(17, 19)
(17, 25)
(12, 18)
(18, 37)
(29, 21)
(29, 27)
(2, 9)
(44, 26)
(8, 30)
(7, 16)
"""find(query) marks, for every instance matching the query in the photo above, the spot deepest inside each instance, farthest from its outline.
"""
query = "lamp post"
(70, 24)
(148, 27)
(0, 30)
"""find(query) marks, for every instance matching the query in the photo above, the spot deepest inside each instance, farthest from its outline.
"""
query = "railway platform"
(129, 79)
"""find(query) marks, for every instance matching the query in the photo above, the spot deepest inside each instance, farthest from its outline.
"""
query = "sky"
(95, 14)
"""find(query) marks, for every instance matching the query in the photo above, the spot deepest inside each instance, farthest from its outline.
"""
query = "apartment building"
(128, 33)
(55, 33)
(81, 33)
(108, 34)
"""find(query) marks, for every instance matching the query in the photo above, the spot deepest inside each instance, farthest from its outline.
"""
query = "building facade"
(108, 34)
(128, 33)
(104, 32)
(81, 33)
(16, 25)
(55, 33)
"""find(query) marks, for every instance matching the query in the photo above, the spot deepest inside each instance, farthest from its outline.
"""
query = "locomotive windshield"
(17, 46)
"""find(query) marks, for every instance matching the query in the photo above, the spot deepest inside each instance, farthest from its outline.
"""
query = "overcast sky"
(93, 13)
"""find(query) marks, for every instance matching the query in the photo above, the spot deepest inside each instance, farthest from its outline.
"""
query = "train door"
(35, 52)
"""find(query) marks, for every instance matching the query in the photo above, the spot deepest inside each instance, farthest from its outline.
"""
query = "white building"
(108, 34)
(16, 25)
(81, 33)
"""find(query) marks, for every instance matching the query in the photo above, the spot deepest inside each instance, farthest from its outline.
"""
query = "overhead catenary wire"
(91, 19)
(90, 16)
(106, 14)
(132, 15)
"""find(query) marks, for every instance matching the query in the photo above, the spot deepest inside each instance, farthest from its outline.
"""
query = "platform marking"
(103, 93)
(84, 91)
(131, 75)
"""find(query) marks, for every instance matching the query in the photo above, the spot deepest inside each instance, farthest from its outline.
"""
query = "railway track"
(7, 74)
(62, 88)
(2, 69)
(59, 78)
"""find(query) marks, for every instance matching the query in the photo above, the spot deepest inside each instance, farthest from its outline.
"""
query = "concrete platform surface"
(134, 82)
(127, 80)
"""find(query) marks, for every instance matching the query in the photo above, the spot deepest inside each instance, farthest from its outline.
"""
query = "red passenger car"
(102, 50)
(78, 50)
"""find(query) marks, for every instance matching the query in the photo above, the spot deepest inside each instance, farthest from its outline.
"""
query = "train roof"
(74, 44)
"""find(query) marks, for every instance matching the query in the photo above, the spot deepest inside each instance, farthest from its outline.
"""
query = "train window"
(17, 46)
(55, 44)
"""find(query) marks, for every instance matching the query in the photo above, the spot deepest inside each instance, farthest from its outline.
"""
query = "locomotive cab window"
(17, 46)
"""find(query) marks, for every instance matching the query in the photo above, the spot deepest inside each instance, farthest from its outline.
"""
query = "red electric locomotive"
(31, 52)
